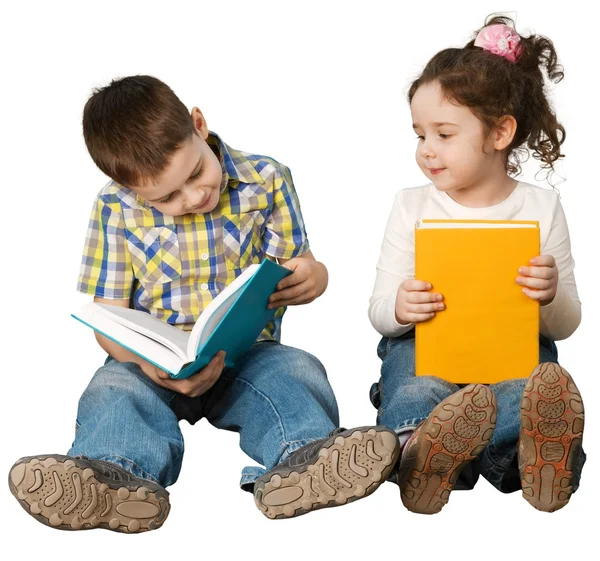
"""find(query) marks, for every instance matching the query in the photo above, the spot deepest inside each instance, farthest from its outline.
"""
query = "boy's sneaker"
(455, 433)
(80, 494)
(328, 472)
(552, 419)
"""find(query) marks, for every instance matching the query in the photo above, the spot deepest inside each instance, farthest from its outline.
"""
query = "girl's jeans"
(404, 400)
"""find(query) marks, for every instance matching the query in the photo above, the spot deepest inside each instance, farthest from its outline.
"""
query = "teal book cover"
(243, 322)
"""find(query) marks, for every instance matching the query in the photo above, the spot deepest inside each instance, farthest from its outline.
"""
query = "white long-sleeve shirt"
(558, 320)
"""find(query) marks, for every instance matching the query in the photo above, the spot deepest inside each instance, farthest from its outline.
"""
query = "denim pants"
(277, 398)
(404, 400)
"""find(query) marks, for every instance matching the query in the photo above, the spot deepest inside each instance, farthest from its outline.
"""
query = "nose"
(194, 196)
(426, 150)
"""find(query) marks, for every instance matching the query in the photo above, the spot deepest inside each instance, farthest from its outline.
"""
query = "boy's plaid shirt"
(172, 266)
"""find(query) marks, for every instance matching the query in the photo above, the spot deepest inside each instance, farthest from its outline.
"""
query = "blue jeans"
(404, 400)
(277, 398)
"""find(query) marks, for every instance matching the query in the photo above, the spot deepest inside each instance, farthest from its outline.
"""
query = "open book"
(231, 322)
(488, 330)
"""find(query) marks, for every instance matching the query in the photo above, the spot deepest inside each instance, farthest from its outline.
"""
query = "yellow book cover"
(489, 329)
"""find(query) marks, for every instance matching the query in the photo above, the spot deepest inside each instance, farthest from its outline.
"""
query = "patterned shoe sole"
(552, 420)
(454, 434)
(59, 493)
(346, 470)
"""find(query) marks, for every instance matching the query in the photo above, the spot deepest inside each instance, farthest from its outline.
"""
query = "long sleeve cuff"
(383, 317)
(560, 318)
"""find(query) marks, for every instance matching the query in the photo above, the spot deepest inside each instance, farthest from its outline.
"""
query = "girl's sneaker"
(454, 434)
(552, 419)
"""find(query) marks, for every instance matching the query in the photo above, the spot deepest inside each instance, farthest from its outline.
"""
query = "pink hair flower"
(499, 39)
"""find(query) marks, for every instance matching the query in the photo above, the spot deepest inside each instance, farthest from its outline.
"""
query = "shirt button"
(204, 256)
(204, 286)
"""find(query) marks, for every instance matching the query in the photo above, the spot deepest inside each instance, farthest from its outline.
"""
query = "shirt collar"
(235, 165)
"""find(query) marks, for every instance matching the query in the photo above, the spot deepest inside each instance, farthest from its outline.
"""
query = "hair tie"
(501, 40)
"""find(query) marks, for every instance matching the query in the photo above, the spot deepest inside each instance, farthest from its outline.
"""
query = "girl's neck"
(489, 192)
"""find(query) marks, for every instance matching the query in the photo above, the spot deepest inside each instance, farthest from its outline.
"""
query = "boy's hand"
(414, 304)
(541, 280)
(307, 282)
(197, 384)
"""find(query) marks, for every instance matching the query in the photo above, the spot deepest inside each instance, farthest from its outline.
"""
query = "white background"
(319, 86)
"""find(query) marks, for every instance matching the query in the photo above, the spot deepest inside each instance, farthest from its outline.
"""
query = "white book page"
(438, 225)
(171, 337)
(147, 347)
(214, 312)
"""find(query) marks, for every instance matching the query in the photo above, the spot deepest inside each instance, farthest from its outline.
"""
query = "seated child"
(473, 110)
(183, 216)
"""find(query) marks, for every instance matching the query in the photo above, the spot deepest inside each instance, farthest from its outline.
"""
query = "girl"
(475, 110)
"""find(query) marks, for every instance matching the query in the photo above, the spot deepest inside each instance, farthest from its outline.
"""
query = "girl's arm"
(395, 265)
(560, 318)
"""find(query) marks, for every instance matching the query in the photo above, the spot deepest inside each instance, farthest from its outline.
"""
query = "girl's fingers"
(422, 297)
(537, 272)
(426, 308)
(537, 294)
(531, 282)
(412, 285)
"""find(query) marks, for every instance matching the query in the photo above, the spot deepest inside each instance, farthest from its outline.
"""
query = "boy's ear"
(504, 132)
(200, 123)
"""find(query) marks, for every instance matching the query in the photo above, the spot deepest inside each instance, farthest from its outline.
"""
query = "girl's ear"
(504, 132)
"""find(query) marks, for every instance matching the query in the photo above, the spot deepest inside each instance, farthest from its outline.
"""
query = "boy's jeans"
(277, 398)
(404, 400)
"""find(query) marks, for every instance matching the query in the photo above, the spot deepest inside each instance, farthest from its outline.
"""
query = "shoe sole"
(456, 432)
(552, 419)
(348, 469)
(60, 493)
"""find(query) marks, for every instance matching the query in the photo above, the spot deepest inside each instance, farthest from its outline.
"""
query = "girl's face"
(452, 151)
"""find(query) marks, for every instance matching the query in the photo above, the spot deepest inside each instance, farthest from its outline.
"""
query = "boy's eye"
(197, 174)
(166, 199)
(445, 135)
(420, 137)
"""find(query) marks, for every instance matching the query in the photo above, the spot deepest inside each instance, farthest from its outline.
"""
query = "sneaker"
(552, 419)
(332, 471)
(455, 433)
(80, 494)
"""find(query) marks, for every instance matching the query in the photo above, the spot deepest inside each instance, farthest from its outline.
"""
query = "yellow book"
(489, 329)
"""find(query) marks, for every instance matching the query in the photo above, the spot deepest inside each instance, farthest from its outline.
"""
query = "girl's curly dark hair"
(492, 86)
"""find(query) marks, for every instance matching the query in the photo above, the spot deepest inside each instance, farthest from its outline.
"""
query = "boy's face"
(452, 151)
(191, 182)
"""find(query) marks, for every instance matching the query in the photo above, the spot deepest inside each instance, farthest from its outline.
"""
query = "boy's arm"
(193, 386)
(120, 354)
(307, 282)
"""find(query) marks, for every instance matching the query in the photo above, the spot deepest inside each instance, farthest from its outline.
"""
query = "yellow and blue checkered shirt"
(173, 266)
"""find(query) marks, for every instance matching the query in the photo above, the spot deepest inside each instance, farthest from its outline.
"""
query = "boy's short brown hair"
(133, 126)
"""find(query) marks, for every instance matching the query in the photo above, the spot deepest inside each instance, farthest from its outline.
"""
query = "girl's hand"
(540, 281)
(414, 304)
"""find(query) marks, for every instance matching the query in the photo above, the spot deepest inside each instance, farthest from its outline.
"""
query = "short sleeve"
(285, 234)
(106, 263)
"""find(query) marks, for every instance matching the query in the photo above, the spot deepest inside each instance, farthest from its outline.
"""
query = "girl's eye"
(420, 137)
(445, 136)
(197, 174)
(167, 199)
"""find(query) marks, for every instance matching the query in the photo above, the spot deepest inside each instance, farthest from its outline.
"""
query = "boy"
(195, 213)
